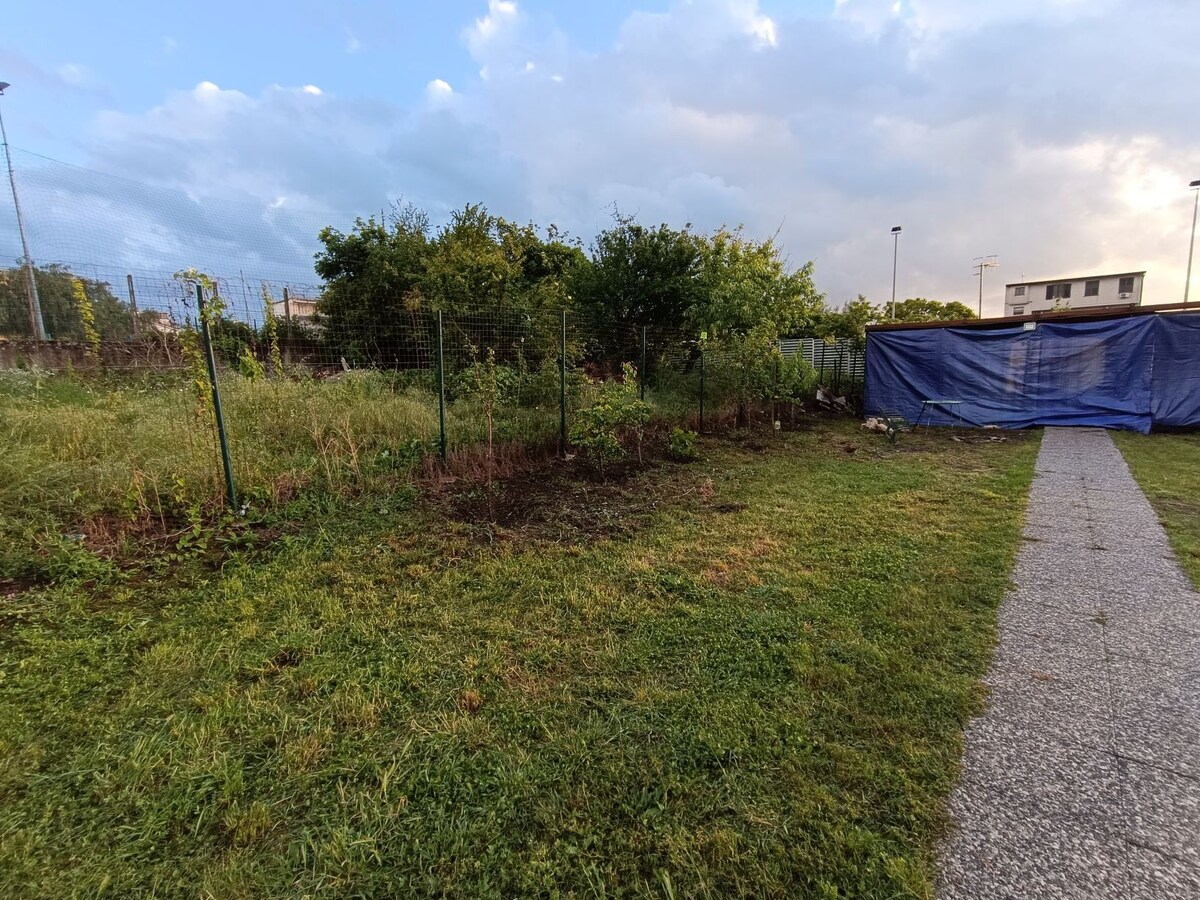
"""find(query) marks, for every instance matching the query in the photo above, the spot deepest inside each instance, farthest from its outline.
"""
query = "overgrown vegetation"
(1167, 467)
(96, 315)
(755, 688)
(113, 461)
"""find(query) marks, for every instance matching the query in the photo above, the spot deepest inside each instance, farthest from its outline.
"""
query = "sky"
(1059, 135)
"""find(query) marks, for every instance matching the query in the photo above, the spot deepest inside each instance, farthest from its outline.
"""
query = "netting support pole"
(37, 323)
(562, 385)
(642, 370)
(701, 390)
(132, 304)
(230, 492)
(441, 385)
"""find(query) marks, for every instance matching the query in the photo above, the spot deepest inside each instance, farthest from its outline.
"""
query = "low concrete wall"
(154, 354)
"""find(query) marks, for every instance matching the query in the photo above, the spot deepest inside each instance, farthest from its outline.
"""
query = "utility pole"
(982, 264)
(1195, 186)
(36, 325)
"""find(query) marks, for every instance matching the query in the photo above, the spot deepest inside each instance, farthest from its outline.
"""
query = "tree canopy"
(487, 275)
(61, 315)
(491, 278)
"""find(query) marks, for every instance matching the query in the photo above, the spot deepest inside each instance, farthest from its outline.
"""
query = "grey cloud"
(1048, 132)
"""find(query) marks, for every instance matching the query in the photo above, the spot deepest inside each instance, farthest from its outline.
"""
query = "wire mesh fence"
(125, 404)
(302, 389)
(104, 437)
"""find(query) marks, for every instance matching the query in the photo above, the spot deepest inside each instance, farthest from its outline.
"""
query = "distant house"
(1115, 292)
(158, 321)
(300, 308)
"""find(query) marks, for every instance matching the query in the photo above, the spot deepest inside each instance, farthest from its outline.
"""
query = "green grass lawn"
(1167, 466)
(743, 677)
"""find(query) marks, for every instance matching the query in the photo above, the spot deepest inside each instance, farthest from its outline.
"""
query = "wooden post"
(132, 304)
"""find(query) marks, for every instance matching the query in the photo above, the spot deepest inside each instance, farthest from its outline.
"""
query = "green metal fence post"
(701, 390)
(775, 391)
(230, 492)
(287, 326)
(642, 370)
(562, 387)
(441, 382)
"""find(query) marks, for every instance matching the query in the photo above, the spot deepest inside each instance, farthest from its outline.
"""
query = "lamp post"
(1195, 186)
(895, 254)
(36, 325)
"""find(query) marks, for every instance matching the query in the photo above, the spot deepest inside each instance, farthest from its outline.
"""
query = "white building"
(1117, 291)
(301, 308)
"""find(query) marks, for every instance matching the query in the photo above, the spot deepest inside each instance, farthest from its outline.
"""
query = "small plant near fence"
(601, 428)
(271, 331)
(191, 345)
(681, 445)
(87, 316)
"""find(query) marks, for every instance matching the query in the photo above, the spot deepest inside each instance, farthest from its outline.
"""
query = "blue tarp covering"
(1130, 372)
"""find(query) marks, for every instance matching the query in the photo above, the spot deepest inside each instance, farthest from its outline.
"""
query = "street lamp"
(895, 254)
(36, 325)
(1195, 186)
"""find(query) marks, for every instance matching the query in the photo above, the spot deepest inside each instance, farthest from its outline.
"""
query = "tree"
(639, 276)
(373, 280)
(747, 300)
(495, 283)
(113, 318)
(744, 287)
(918, 309)
(849, 323)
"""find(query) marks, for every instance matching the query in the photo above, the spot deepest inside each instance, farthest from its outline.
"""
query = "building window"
(1018, 310)
(1058, 291)
(1019, 291)
(1091, 288)
(1126, 286)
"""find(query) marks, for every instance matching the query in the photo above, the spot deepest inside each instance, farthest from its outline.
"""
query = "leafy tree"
(639, 276)
(112, 319)
(373, 280)
(494, 282)
(918, 309)
(745, 288)
(849, 323)
(748, 300)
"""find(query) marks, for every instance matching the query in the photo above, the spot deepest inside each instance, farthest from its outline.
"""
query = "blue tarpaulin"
(1130, 372)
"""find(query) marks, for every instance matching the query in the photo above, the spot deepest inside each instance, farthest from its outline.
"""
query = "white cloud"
(77, 76)
(312, 89)
(353, 44)
(438, 91)
(501, 15)
(763, 30)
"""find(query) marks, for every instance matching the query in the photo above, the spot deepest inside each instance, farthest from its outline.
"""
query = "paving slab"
(1082, 778)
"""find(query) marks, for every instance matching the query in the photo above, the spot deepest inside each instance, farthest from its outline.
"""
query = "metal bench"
(895, 422)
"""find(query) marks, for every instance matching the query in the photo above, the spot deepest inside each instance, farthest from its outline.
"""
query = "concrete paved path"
(1083, 777)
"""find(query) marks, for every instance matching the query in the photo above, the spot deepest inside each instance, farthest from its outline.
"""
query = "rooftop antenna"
(982, 264)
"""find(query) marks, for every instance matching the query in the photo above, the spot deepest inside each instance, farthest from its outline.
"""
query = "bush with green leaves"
(681, 445)
(602, 427)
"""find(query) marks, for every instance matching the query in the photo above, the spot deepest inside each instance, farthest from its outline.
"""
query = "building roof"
(1072, 278)
(1084, 314)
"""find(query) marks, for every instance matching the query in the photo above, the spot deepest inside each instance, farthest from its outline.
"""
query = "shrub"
(681, 445)
(617, 413)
